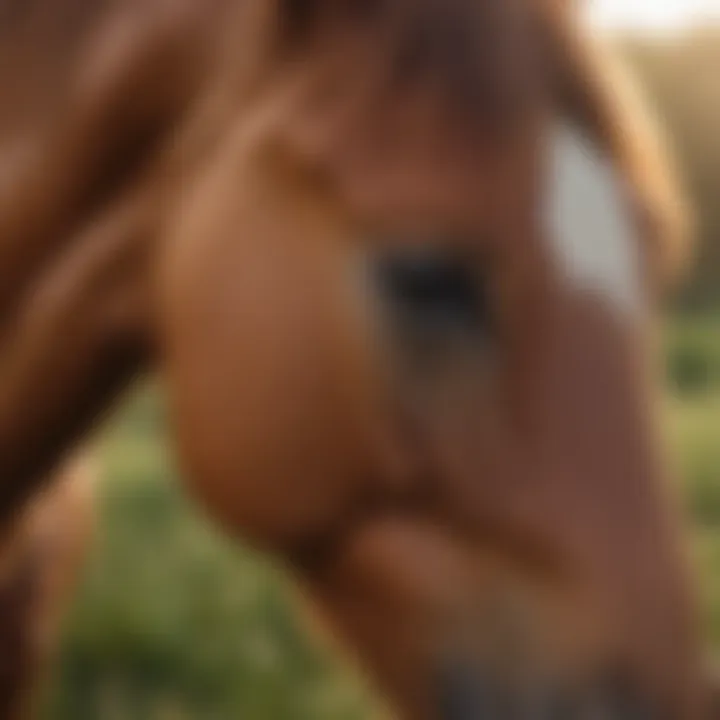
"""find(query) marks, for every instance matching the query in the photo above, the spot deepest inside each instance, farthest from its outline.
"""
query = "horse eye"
(434, 292)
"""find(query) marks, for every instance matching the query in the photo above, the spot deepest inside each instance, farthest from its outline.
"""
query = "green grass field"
(174, 622)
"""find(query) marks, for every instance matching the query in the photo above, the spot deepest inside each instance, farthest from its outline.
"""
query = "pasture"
(174, 622)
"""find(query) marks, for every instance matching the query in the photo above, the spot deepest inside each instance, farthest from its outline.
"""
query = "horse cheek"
(269, 369)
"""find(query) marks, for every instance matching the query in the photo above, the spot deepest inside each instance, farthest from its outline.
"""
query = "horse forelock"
(476, 54)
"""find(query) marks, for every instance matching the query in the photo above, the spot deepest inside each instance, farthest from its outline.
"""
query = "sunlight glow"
(652, 15)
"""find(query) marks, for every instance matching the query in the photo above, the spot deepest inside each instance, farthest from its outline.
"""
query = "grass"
(694, 415)
(174, 622)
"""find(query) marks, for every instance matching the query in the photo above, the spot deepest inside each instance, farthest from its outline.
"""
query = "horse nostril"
(618, 702)
(466, 694)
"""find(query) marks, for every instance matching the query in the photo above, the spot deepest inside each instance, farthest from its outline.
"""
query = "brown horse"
(41, 554)
(380, 253)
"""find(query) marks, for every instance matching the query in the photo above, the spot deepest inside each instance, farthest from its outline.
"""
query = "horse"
(42, 553)
(396, 263)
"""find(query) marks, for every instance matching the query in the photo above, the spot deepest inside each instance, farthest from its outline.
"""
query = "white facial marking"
(589, 223)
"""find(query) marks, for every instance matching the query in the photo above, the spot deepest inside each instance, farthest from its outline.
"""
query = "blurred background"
(174, 622)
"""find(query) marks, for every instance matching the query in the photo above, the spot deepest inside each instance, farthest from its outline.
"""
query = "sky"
(652, 15)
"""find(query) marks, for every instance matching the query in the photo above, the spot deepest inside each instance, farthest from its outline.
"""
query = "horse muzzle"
(466, 695)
